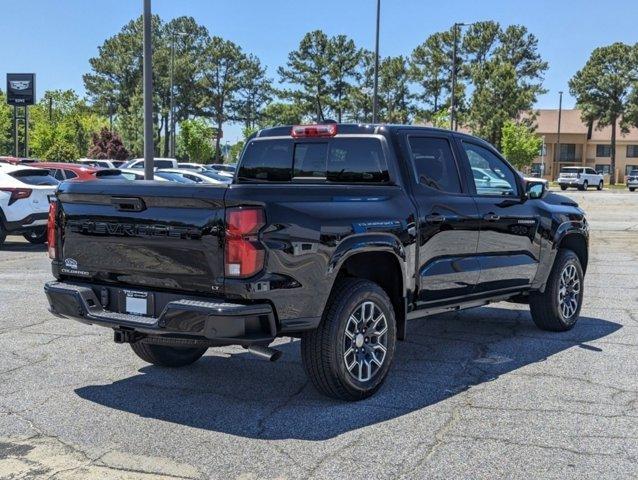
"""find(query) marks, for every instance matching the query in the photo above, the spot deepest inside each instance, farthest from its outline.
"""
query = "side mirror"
(534, 189)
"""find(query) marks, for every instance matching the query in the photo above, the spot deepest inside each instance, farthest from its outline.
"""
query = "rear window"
(162, 164)
(34, 177)
(570, 170)
(346, 160)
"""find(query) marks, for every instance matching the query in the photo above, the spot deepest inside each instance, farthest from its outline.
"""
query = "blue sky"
(55, 39)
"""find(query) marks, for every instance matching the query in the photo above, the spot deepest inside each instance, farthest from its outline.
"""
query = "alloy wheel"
(569, 291)
(365, 341)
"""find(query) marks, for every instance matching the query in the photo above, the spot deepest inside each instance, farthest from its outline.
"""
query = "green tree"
(254, 93)
(278, 113)
(430, 68)
(395, 98)
(361, 94)
(344, 57)
(221, 78)
(6, 125)
(519, 144)
(308, 72)
(61, 126)
(605, 90)
(195, 140)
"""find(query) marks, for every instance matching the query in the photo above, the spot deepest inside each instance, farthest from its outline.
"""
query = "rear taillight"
(51, 240)
(244, 253)
(17, 193)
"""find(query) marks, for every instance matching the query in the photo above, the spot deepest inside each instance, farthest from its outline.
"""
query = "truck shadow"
(19, 246)
(241, 395)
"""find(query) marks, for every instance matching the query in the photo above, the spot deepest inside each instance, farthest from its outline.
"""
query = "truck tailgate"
(146, 234)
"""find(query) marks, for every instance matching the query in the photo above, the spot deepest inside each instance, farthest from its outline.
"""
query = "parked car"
(92, 162)
(157, 162)
(580, 177)
(24, 201)
(197, 167)
(174, 177)
(18, 160)
(68, 171)
(337, 234)
(487, 180)
(205, 177)
(225, 169)
(632, 180)
(135, 174)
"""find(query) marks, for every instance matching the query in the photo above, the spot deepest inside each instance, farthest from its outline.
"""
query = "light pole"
(560, 111)
(375, 94)
(148, 94)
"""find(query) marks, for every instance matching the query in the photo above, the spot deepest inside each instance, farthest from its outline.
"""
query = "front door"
(509, 246)
(448, 222)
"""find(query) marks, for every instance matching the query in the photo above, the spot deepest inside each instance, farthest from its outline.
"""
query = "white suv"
(580, 177)
(24, 201)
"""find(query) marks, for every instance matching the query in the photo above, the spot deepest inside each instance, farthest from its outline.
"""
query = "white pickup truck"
(580, 177)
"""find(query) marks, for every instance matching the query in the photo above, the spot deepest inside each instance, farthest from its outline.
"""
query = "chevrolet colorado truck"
(336, 234)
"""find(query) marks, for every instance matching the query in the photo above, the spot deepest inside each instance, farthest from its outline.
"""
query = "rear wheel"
(563, 187)
(600, 185)
(349, 354)
(584, 186)
(558, 307)
(166, 356)
(37, 236)
(632, 189)
(3, 234)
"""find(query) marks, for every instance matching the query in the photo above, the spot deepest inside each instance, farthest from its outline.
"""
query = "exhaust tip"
(266, 353)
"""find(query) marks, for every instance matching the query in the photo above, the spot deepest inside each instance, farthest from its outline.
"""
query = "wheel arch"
(576, 242)
(380, 259)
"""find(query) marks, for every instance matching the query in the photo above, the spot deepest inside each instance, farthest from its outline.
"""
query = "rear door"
(448, 223)
(156, 235)
(508, 247)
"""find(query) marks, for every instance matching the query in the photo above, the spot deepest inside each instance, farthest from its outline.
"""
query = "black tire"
(563, 187)
(632, 189)
(600, 186)
(324, 350)
(584, 186)
(546, 307)
(3, 234)
(167, 356)
(37, 236)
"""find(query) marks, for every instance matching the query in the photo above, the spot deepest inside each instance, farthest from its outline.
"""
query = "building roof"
(571, 123)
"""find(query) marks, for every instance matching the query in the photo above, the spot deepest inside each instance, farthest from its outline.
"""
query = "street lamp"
(560, 112)
(375, 97)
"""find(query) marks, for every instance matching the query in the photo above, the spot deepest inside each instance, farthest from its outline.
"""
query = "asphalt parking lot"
(478, 394)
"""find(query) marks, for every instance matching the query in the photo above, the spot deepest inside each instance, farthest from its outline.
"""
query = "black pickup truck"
(337, 234)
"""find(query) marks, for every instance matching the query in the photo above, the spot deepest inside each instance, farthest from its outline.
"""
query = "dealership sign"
(20, 89)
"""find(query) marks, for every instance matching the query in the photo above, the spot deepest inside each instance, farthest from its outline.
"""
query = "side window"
(70, 174)
(434, 164)
(591, 171)
(267, 160)
(356, 160)
(491, 175)
(57, 174)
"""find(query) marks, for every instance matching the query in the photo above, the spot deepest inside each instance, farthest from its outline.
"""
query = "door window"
(492, 176)
(70, 174)
(434, 164)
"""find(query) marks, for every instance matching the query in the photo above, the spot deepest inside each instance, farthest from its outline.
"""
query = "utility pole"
(375, 94)
(111, 115)
(15, 132)
(560, 111)
(148, 94)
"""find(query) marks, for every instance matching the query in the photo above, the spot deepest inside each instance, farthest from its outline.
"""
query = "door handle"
(491, 217)
(435, 218)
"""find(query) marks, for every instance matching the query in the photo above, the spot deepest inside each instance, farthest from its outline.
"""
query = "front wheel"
(563, 187)
(632, 189)
(600, 185)
(349, 354)
(167, 356)
(37, 236)
(558, 307)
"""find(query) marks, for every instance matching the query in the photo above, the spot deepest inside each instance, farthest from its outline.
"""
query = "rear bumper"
(215, 322)
(27, 223)
(568, 183)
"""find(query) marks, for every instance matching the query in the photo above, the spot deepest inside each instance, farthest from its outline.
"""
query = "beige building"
(582, 145)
